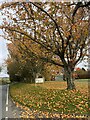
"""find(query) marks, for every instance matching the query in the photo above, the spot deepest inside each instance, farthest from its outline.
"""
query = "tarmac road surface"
(7, 107)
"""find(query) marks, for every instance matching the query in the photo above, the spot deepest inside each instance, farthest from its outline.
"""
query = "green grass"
(83, 80)
(45, 98)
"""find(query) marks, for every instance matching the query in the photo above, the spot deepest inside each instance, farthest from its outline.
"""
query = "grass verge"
(48, 97)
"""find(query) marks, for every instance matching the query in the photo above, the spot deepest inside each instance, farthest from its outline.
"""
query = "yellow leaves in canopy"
(67, 34)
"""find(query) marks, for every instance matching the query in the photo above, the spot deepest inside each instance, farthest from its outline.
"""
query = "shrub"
(82, 74)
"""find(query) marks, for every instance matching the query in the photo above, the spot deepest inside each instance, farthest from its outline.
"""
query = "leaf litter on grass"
(50, 100)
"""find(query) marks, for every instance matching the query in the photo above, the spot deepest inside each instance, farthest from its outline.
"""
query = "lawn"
(52, 97)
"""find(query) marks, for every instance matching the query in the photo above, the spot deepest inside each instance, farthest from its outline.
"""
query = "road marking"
(6, 108)
(7, 100)
(7, 97)
(6, 118)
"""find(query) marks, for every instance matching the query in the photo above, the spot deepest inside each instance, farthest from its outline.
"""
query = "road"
(7, 107)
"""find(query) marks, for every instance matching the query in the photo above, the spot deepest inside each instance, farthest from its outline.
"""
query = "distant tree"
(24, 65)
(60, 28)
(0, 69)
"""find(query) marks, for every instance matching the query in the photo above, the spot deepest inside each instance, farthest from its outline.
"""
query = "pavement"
(7, 108)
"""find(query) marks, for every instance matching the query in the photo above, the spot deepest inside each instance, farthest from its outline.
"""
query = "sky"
(3, 50)
(3, 55)
(3, 46)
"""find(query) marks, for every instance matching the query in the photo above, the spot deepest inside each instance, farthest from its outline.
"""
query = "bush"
(81, 74)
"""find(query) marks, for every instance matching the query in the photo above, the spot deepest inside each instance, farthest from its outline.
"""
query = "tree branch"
(53, 21)
(78, 5)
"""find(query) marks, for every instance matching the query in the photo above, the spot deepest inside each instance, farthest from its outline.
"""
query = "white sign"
(39, 80)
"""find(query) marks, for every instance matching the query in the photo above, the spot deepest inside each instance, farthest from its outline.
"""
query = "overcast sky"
(3, 50)
(3, 46)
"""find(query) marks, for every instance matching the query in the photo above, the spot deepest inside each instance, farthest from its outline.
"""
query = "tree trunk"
(70, 80)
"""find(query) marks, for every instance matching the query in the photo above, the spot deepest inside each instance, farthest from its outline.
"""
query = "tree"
(23, 65)
(57, 27)
(20, 66)
(0, 69)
